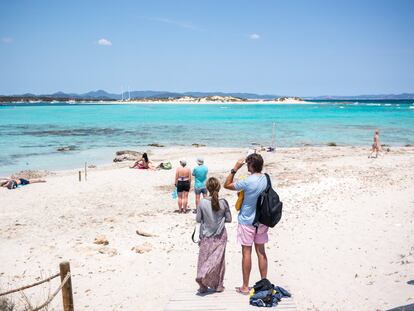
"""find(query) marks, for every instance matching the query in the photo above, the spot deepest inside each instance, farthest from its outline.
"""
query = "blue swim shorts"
(200, 190)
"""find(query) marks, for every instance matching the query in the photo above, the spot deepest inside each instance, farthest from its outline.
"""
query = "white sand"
(345, 241)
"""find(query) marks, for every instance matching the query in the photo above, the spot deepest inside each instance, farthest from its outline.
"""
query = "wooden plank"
(189, 300)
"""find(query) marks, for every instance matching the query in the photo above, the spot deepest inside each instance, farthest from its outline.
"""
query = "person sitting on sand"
(14, 183)
(200, 176)
(212, 213)
(143, 164)
(376, 146)
(183, 184)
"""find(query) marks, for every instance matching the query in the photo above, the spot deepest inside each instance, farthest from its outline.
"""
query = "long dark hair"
(145, 157)
(213, 186)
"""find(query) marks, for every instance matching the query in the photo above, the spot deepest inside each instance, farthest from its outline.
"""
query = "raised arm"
(229, 183)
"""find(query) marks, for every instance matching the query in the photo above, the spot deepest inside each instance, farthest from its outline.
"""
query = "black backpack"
(268, 207)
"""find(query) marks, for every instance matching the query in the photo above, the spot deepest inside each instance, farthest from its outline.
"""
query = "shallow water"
(31, 133)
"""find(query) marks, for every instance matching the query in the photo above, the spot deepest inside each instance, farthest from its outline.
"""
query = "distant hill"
(103, 95)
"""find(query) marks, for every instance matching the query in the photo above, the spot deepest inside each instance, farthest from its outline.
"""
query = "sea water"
(30, 134)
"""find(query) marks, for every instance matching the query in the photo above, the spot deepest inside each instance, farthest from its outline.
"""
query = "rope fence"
(29, 286)
(65, 286)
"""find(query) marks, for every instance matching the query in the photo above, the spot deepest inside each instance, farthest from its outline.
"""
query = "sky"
(298, 48)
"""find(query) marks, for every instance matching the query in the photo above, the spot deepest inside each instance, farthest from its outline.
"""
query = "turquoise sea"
(31, 133)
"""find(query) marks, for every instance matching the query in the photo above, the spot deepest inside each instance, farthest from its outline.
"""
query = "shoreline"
(166, 150)
(160, 154)
(241, 103)
(138, 102)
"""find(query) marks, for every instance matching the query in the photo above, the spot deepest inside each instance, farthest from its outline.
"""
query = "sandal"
(202, 290)
(238, 290)
(220, 289)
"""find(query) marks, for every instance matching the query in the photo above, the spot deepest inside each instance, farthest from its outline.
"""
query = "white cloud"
(104, 42)
(254, 36)
(181, 24)
(7, 40)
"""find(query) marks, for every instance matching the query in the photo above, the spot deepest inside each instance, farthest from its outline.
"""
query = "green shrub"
(6, 305)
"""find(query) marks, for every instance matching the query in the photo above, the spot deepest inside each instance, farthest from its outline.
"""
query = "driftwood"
(146, 234)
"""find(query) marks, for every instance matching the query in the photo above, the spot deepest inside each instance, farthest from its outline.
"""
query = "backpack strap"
(269, 182)
(223, 199)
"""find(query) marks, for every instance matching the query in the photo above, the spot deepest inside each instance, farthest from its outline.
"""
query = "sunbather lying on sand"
(14, 183)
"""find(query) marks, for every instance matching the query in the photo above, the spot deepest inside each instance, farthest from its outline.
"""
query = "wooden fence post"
(80, 175)
(86, 172)
(67, 288)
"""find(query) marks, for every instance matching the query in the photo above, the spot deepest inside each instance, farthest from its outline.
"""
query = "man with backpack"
(249, 231)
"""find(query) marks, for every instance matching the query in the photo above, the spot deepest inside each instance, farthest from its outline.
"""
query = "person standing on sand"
(200, 175)
(376, 146)
(183, 184)
(212, 213)
(247, 235)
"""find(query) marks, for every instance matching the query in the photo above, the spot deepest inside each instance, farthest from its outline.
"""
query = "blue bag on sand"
(265, 294)
(174, 194)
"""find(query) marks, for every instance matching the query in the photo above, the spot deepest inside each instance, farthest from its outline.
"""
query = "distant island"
(185, 97)
(171, 100)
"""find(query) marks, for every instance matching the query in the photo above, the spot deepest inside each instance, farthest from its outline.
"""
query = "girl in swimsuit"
(143, 164)
(183, 184)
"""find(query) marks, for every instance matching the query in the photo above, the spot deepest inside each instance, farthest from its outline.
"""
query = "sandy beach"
(345, 241)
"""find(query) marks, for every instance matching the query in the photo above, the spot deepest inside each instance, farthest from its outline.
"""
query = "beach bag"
(263, 284)
(268, 207)
(240, 196)
(165, 166)
(194, 234)
(174, 194)
(239, 202)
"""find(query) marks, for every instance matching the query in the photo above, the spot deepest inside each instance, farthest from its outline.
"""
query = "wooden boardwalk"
(186, 300)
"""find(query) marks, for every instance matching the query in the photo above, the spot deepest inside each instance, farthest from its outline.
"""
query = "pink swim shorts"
(247, 235)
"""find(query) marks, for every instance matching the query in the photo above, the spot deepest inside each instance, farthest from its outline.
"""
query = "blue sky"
(299, 48)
